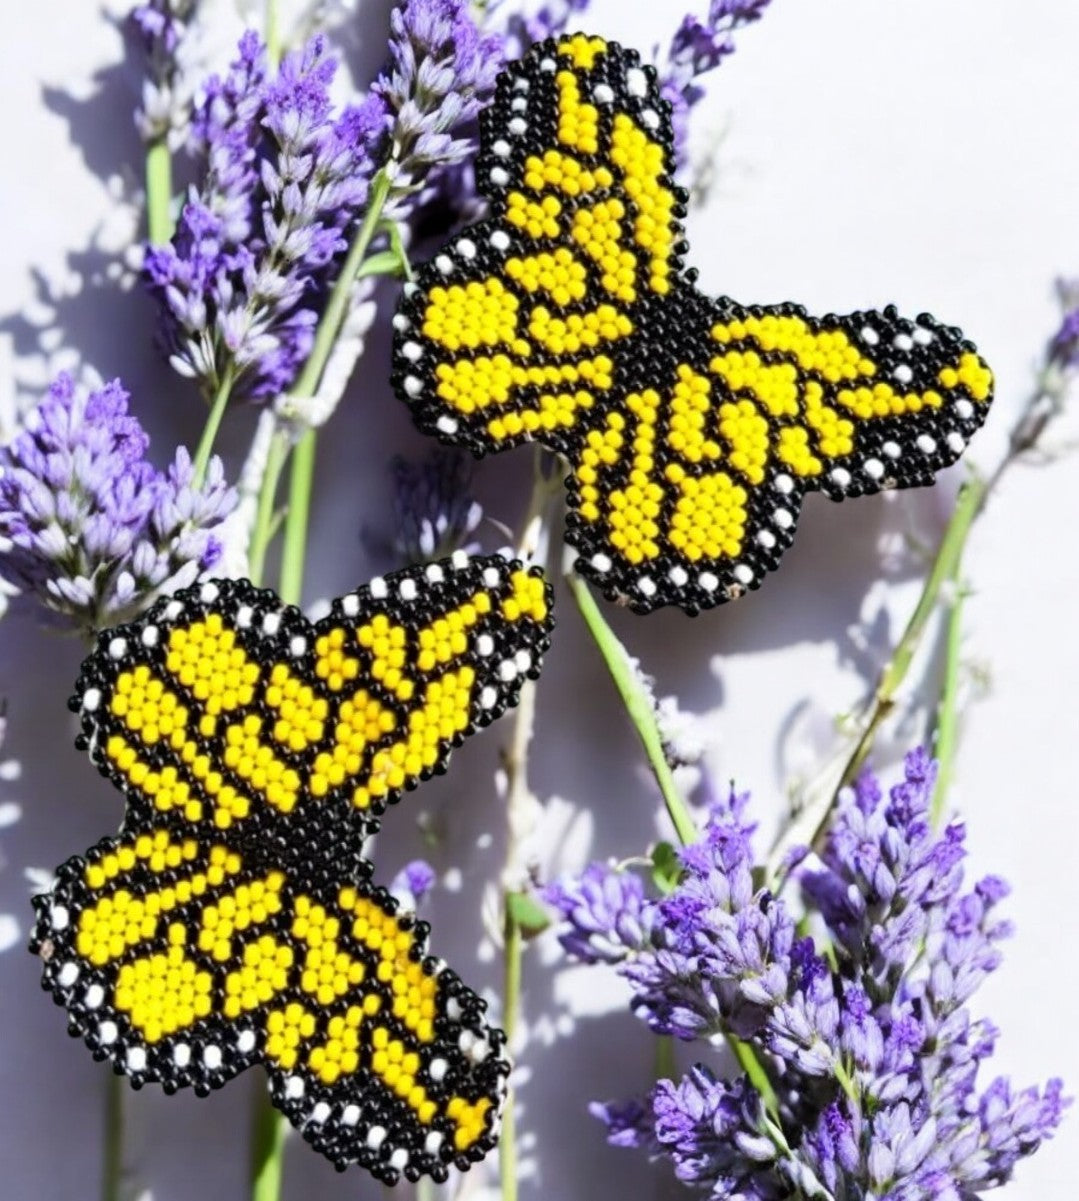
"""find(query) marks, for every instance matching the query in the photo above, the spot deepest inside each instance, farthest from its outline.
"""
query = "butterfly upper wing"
(693, 427)
(514, 331)
(233, 920)
(223, 709)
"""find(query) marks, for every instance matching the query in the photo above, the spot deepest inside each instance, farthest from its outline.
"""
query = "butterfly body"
(693, 426)
(234, 919)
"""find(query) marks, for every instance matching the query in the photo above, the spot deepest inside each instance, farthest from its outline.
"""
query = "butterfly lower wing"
(184, 965)
(691, 495)
(514, 331)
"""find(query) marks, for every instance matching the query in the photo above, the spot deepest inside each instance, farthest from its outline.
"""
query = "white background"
(924, 153)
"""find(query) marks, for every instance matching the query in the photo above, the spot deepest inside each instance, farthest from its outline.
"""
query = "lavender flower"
(413, 882)
(696, 48)
(164, 29)
(91, 527)
(259, 241)
(442, 70)
(521, 31)
(434, 509)
(1064, 345)
(871, 1056)
(604, 914)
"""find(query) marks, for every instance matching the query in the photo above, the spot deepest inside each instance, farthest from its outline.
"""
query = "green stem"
(945, 565)
(511, 992)
(642, 714)
(112, 1161)
(267, 1149)
(947, 732)
(213, 424)
(158, 192)
(638, 705)
(264, 514)
(303, 459)
(294, 549)
(272, 27)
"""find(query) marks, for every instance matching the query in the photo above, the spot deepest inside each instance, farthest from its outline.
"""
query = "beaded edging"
(693, 427)
(233, 920)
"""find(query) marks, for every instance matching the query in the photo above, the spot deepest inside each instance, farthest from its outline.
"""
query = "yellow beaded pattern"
(233, 921)
(693, 427)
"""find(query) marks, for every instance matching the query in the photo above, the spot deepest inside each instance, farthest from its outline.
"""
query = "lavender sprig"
(434, 509)
(697, 48)
(259, 241)
(442, 69)
(868, 1044)
(87, 524)
(164, 29)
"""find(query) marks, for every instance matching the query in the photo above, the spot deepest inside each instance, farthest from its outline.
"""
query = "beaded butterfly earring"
(233, 921)
(693, 427)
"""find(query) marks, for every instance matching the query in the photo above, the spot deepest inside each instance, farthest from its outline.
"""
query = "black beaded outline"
(319, 849)
(927, 442)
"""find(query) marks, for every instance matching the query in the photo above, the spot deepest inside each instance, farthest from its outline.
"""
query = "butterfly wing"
(693, 427)
(515, 331)
(694, 494)
(183, 964)
(233, 920)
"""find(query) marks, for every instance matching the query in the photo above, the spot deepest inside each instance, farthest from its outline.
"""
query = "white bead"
(446, 424)
(766, 538)
(379, 588)
(601, 562)
(603, 94)
(956, 442)
(412, 351)
(523, 660)
(91, 698)
(320, 1113)
(271, 623)
(399, 1159)
(743, 574)
(708, 580)
(466, 248)
(413, 386)
(181, 1055)
(926, 444)
(892, 450)
(903, 342)
(59, 917)
(507, 670)
(492, 577)
(650, 118)
(903, 373)
(297, 645)
(407, 590)
(350, 605)
(647, 585)
(499, 177)
(501, 148)
(376, 1136)
(518, 125)
(678, 576)
(636, 82)
(245, 1042)
(118, 648)
(784, 484)
(500, 240)
(294, 1087)
(434, 573)
(840, 477)
(433, 1142)
(150, 636)
(870, 335)
(68, 974)
(211, 1057)
(485, 645)
(107, 1033)
(173, 610)
(874, 468)
(459, 560)
(488, 697)
(783, 518)
(444, 264)
(244, 615)
(923, 336)
(209, 592)
(95, 994)
(964, 410)
(350, 1115)
(136, 1059)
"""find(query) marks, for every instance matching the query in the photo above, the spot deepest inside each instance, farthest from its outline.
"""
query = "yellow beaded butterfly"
(233, 920)
(694, 427)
